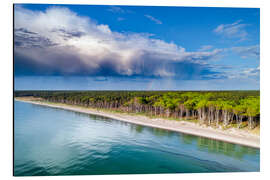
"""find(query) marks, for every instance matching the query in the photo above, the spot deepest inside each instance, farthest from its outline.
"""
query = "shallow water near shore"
(50, 141)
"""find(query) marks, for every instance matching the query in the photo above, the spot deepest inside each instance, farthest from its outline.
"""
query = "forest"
(212, 108)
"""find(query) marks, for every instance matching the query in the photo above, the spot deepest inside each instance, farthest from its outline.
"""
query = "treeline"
(209, 107)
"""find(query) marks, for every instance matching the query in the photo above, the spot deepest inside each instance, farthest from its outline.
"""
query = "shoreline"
(231, 135)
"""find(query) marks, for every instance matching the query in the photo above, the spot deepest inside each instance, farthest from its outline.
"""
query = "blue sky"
(136, 47)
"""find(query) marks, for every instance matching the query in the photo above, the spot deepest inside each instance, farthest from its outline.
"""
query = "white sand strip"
(231, 135)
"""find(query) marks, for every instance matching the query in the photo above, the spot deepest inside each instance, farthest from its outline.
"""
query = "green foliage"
(251, 106)
(246, 103)
(201, 104)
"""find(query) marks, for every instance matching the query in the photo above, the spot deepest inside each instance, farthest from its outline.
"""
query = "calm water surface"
(50, 141)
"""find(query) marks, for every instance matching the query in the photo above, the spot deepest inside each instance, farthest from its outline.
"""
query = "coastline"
(230, 135)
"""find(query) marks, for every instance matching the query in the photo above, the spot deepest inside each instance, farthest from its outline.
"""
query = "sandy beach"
(230, 135)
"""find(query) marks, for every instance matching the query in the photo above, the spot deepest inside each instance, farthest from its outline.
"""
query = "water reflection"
(227, 149)
(202, 143)
(67, 142)
(187, 138)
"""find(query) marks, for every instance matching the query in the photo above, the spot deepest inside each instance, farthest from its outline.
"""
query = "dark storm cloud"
(23, 31)
(59, 42)
(69, 34)
(27, 39)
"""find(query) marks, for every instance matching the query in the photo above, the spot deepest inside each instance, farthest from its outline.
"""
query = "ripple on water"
(57, 142)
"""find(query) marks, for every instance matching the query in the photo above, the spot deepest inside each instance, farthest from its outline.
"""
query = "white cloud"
(120, 19)
(65, 42)
(206, 48)
(234, 30)
(116, 9)
(247, 51)
(119, 10)
(153, 19)
(252, 72)
(245, 73)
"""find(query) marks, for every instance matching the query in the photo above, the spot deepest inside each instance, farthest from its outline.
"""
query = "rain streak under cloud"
(57, 41)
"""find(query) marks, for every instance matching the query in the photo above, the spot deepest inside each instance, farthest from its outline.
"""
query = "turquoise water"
(50, 141)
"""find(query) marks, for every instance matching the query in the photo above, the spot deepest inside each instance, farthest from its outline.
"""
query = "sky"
(87, 47)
